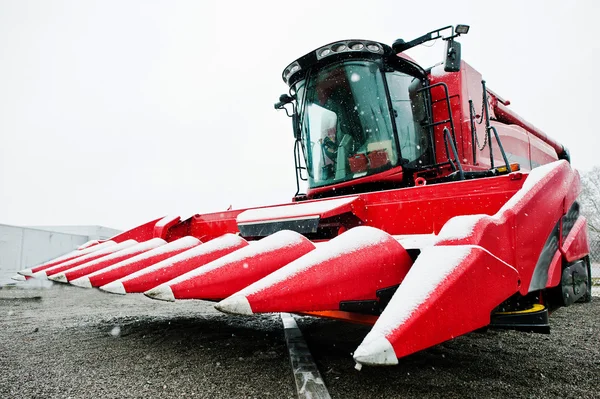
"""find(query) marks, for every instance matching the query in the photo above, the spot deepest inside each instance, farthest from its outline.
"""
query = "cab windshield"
(345, 122)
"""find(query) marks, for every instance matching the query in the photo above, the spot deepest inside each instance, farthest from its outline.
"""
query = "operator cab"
(359, 112)
(362, 115)
(346, 123)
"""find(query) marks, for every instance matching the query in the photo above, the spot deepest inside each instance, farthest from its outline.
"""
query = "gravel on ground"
(67, 342)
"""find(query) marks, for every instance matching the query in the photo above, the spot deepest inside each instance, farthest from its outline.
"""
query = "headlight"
(373, 47)
(325, 52)
(339, 47)
(290, 70)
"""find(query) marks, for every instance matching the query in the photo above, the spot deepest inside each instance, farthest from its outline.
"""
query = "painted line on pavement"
(309, 383)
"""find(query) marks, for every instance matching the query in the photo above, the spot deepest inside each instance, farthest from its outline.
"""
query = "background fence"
(595, 247)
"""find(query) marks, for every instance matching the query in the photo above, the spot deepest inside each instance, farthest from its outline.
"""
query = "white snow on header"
(277, 241)
(137, 248)
(417, 241)
(459, 226)
(166, 220)
(220, 243)
(432, 268)
(292, 211)
(85, 251)
(92, 255)
(185, 242)
(462, 226)
(88, 244)
(537, 175)
(354, 240)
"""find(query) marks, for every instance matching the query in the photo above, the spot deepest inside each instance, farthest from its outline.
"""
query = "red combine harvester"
(432, 210)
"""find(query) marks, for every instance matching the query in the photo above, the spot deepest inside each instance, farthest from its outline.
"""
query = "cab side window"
(410, 113)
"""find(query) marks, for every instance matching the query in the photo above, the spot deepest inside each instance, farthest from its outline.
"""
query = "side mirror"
(283, 100)
(452, 63)
(399, 46)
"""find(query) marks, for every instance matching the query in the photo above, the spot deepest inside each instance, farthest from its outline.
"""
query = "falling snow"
(116, 331)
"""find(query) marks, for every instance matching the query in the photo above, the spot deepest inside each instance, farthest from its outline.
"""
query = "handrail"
(486, 111)
(473, 132)
(501, 148)
(489, 129)
(298, 166)
(447, 99)
(447, 137)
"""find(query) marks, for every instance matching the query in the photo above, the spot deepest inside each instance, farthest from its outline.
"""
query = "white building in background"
(23, 247)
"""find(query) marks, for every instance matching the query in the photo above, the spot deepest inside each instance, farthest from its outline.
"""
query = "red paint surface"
(232, 276)
(460, 304)
(82, 260)
(136, 263)
(103, 263)
(576, 245)
(555, 270)
(355, 275)
(65, 258)
(414, 210)
(518, 234)
(52, 263)
(176, 269)
(140, 233)
(162, 230)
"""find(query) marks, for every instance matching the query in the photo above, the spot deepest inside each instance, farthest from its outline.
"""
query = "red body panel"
(324, 209)
(555, 270)
(454, 304)
(141, 233)
(424, 209)
(508, 116)
(523, 225)
(522, 142)
(426, 311)
(576, 245)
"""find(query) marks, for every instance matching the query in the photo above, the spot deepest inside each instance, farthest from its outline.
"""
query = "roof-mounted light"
(325, 52)
(400, 45)
(374, 47)
(352, 47)
(462, 29)
(290, 70)
(348, 46)
(339, 47)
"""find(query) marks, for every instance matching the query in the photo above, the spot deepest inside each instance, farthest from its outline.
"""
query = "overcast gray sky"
(116, 112)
